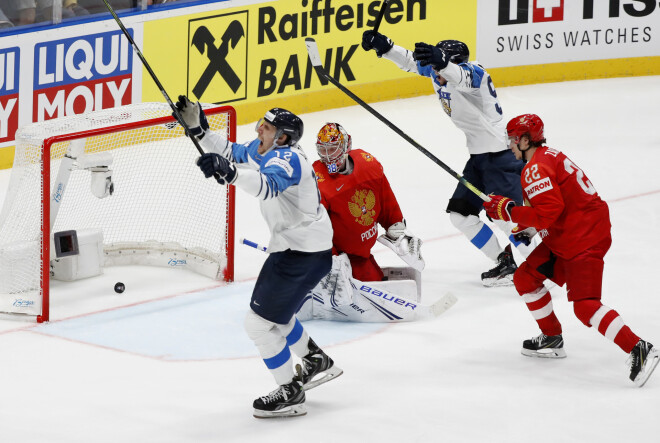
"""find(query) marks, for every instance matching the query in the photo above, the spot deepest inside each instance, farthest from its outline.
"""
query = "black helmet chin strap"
(524, 152)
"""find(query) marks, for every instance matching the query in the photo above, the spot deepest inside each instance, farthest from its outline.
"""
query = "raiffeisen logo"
(515, 12)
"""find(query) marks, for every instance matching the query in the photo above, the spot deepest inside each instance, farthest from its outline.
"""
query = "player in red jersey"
(358, 198)
(574, 223)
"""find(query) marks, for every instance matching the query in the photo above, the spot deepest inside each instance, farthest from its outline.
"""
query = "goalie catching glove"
(212, 163)
(404, 244)
(193, 116)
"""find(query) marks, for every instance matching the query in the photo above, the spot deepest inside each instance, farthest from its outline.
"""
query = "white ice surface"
(168, 360)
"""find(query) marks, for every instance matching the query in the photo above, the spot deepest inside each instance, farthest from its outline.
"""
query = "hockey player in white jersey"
(278, 174)
(467, 95)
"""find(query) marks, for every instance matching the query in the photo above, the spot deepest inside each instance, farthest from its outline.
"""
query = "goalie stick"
(441, 306)
(436, 309)
(315, 57)
(175, 111)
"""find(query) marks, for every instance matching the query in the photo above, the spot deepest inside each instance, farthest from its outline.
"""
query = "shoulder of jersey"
(363, 156)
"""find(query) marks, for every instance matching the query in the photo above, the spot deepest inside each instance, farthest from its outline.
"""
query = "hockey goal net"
(128, 173)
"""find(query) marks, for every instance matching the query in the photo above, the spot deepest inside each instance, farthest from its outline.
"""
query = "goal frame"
(46, 192)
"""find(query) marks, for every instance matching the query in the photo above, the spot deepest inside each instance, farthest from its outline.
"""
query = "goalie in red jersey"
(358, 198)
(574, 223)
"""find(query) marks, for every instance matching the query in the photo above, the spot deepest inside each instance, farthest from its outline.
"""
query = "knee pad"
(585, 310)
(259, 329)
(524, 281)
(465, 222)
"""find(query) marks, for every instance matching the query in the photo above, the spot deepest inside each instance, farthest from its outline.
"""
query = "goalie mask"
(332, 145)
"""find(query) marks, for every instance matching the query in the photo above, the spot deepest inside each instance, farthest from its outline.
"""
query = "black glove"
(193, 115)
(523, 235)
(213, 164)
(377, 41)
(430, 55)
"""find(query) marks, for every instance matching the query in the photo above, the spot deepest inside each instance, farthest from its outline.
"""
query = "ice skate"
(285, 401)
(316, 364)
(642, 360)
(502, 274)
(544, 346)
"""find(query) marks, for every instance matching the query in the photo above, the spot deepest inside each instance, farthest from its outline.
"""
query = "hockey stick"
(177, 115)
(379, 19)
(315, 57)
(441, 306)
(252, 244)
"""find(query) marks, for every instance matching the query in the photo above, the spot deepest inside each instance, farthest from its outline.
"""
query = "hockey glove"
(499, 207)
(376, 41)
(404, 244)
(430, 55)
(212, 163)
(523, 235)
(193, 116)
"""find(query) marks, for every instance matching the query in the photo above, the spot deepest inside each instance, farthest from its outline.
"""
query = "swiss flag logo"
(548, 11)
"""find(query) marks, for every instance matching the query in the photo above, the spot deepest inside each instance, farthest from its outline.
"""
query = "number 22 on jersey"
(532, 174)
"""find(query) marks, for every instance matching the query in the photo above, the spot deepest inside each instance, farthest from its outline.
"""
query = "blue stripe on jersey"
(278, 360)
(426, 71)
(295, 334)
(242, 152)
(475, 74)
(482, 236)
(280, 168)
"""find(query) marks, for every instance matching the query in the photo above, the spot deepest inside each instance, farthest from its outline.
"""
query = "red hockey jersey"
(562, 204)
(357, 203)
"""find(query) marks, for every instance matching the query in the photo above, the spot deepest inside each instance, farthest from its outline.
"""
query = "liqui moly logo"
(81, 74)
(9, 80)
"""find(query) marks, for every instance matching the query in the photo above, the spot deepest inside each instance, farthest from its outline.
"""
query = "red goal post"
(126, 175)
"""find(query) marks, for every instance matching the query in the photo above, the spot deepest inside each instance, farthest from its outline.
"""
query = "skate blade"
(289, 411)
(544, 353)
(652, 361)
(327, 375)
(497, 282)
(442, 305)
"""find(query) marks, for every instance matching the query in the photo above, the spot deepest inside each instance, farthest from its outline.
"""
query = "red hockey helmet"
(526, 124)
(332, 145)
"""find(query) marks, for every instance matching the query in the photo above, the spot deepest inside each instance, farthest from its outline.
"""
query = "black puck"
(119, 287)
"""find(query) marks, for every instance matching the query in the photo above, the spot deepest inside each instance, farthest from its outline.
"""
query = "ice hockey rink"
(168, 360)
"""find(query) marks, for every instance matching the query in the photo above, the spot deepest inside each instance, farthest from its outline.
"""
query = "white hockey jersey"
(285, 184)
(469, 99)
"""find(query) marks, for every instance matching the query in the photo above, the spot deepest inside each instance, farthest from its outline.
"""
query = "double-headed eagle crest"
(362, 205)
